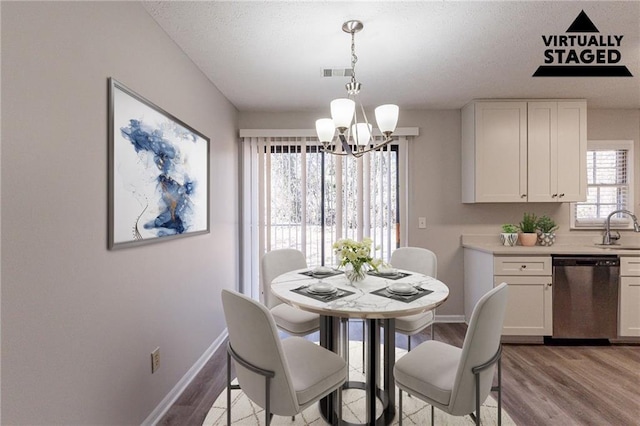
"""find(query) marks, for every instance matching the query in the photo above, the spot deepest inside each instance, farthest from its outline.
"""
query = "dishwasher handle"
(586, 261)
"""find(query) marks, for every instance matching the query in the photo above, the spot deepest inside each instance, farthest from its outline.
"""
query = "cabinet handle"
(523, 196)
(522, 267)
(562, 195)
(549, 284)
(554, 195)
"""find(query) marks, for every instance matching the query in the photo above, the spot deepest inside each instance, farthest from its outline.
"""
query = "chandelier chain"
(354, 57)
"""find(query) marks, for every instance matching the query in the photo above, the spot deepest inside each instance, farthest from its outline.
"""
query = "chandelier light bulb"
(387, 118)
(342, 111)
(325, 130)
(361, 132)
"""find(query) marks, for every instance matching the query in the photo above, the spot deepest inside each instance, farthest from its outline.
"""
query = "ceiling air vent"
(337, 72)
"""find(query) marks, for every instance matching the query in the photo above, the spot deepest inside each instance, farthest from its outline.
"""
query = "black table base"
(330, 339)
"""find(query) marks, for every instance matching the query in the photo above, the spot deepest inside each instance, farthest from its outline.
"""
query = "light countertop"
(565, 244)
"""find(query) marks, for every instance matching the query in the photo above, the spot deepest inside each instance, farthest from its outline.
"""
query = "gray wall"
(78, 321)
(435, 184)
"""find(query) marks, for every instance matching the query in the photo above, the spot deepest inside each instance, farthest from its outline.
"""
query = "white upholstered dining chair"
(458, 380)
(282, 376)
(420, 260)
(294, 321)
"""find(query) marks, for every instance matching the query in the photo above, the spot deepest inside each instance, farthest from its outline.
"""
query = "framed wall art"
(158, 173)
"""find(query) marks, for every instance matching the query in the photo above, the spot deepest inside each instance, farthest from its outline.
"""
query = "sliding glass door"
(297, 196)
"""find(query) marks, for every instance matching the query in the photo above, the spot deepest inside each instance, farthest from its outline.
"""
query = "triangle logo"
(582, 24)
(581, 53)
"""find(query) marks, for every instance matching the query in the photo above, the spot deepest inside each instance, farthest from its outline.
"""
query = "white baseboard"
(449, 318)
(182, 384)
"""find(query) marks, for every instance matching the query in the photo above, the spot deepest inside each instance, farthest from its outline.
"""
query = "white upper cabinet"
(519, 151)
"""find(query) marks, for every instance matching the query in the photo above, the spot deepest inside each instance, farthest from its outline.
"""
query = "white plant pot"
(508, 239)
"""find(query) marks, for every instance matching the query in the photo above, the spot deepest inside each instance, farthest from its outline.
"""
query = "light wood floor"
(542, 385)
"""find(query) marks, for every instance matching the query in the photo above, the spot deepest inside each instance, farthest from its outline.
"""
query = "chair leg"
(477, 376)
(228, 389)
(433, 415)
(408, 343)
(267, 403)
(339, 391)
(433, 336)
(399, 407)
(500, 391)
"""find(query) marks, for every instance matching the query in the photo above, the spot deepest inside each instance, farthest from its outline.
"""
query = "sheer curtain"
(297, 196)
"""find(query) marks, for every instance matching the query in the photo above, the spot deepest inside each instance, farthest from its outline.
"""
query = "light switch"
(422, 222)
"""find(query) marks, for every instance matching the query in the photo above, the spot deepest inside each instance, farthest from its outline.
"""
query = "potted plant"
(546, 231)
(528, 227)
(509, 235)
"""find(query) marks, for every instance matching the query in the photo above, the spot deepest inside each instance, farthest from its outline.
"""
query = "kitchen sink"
(618, 246)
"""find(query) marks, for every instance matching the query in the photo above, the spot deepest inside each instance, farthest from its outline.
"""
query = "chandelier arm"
(345, 144)
(382, 144)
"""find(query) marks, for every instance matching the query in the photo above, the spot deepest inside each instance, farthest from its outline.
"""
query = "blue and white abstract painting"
(159, 172)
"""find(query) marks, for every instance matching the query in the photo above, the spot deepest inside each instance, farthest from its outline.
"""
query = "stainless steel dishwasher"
(585, 297)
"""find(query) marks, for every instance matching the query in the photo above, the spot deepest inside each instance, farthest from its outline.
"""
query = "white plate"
(402, 288)
(321, 288)
(322, 270)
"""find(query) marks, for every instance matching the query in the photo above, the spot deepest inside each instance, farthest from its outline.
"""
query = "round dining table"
(372, 300)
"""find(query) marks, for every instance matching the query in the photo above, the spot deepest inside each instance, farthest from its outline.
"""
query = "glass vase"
(355, 274)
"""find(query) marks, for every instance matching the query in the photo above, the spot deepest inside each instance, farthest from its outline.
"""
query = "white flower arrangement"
(357, 255)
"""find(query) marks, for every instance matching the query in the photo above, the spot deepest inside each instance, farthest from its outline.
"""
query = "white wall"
(79, 321)
(435, 184)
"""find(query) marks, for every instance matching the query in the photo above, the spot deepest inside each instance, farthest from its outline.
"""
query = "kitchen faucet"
(607, 238)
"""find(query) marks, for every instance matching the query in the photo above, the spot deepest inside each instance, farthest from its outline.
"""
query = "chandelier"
(354, 130)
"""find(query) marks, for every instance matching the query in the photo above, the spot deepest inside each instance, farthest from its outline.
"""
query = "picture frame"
(158, 173)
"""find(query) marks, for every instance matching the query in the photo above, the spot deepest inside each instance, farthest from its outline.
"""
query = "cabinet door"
(500, 151)
(529, 311)
(542, 145)
(557, 149)
(571, 151)
(629, 319)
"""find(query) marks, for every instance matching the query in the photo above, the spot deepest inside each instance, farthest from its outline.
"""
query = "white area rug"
(414, 411)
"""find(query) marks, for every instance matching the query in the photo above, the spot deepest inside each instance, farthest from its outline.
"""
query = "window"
(297, 196)
(609, 186)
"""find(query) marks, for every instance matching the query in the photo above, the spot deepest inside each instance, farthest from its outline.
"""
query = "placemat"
(408, 298)
(398, 276)
(314, 275)
(304, 290)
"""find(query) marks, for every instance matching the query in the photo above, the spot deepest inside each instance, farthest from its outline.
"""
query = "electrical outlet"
(155, 360)
(422, 222)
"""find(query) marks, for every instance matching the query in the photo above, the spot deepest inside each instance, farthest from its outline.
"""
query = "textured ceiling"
(268, 55)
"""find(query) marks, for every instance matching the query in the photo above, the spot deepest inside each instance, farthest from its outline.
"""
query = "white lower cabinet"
(529, 309)
(529, 300)
(629, 297)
